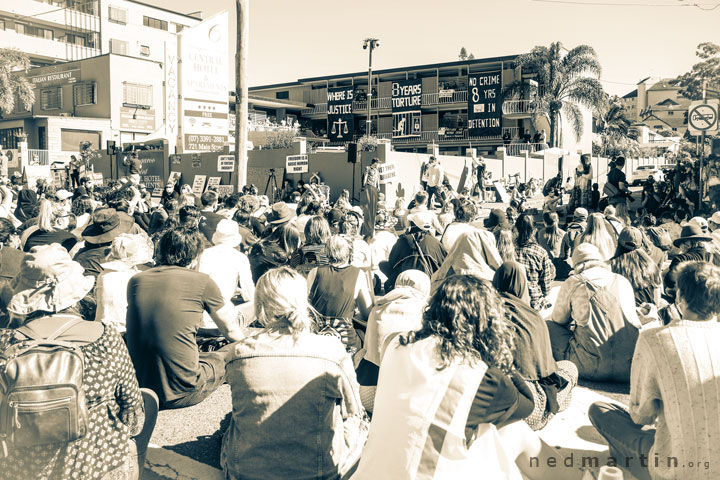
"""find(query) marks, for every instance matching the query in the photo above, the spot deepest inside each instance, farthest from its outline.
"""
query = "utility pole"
(241, 91)
(371, 43)
(701, 186)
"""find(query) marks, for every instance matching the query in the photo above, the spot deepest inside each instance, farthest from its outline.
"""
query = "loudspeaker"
(352, 152)
(110, 147)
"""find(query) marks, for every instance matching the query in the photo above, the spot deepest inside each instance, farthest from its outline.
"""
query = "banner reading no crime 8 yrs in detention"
(341, 126)
(406, 103)
(484, 105)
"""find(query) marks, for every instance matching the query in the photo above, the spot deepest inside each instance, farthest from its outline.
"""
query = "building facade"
(659, 105)
(441, 99)
(52, 31)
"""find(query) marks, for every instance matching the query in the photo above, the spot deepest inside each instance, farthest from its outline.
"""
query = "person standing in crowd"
(454, 372)
(616, 178)
(4, 161)
(134, 165)
(165, 307)
(583, 181)
(538, 266)
(435, 179)
(601, 307)
(74, 171)
(550, 382)
(674, 389)
(371, 183)
(47, 297)
(305, 420)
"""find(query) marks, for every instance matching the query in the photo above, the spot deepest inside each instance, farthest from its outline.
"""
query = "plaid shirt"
(539, 270)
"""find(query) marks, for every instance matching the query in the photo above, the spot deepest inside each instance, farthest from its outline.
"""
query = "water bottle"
(610, 473)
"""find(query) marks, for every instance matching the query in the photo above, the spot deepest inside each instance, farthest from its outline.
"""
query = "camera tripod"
(272, 182)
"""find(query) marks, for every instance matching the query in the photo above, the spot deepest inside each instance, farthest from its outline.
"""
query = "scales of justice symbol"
(341, 128)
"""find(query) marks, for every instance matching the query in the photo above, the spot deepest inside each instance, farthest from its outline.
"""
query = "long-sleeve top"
(675, 385)
(539, 269)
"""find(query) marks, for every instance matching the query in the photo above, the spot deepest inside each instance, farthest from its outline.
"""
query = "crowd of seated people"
(438, 345)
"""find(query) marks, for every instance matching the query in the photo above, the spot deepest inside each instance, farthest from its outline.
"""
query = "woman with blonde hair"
(306, 419)
(599, 233)
(52, 224)
(506, 246)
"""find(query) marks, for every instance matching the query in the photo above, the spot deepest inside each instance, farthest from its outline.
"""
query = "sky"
(634, 39)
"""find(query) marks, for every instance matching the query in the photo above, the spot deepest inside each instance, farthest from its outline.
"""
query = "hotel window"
(117, 15)
(137, 95)
(155, 23)
(9, 137)
(85, 93)
(51, 98)
(144, 50)
(119, 47)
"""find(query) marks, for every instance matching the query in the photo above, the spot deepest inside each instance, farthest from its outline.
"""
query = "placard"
(340, 114)
(198, 184)
(212, 181)
(175, 159)
(406, 103)
(296, 164)
(485, 105)
(500, 188)
(225, 190)
(226, 163)
(387, 173)
(174, 178)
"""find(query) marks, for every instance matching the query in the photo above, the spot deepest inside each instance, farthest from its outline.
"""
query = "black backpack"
(42, 400)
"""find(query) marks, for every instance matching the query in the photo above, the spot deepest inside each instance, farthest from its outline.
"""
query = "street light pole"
(370, 43)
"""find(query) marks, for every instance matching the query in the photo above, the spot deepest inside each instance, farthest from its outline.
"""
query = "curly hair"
(467, 316)
(179, 247)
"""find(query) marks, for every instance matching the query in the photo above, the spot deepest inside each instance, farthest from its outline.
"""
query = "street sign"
(703, 117)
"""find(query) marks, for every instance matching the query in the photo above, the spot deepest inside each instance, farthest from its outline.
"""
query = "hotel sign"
(204, 85)
(485, 105)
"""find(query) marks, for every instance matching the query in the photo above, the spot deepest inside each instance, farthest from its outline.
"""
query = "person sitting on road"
(165, 312)
(447, 405)
(573, 231)
(600, 233)
(551, 239)
(539, 269)
(464, 214)
(601, 307)
(674, 387)
(296, 410)
(632, 262)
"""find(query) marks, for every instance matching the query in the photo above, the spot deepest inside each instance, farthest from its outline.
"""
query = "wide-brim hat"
(49, 281)
(280, 213)
(227, 233)
(692, 232)
(106, 225)
(128, 250)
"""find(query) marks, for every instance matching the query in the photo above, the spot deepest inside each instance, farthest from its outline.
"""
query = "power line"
(701, 6)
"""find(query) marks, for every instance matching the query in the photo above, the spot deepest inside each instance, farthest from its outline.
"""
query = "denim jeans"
(213, 366)
(627, 440)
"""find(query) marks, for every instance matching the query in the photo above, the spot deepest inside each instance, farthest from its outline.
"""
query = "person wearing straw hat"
(692, 248)
(279, 215)
(127, 251)
(47, 299)
(228, 267)
(600, 305)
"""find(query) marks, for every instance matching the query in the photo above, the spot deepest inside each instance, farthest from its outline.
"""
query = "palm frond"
(574, 115)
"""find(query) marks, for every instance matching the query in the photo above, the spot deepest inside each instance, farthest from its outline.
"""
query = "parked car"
(644, 172)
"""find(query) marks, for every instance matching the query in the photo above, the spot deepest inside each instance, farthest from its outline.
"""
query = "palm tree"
(612, 121)
(566, 82)
(12, 84)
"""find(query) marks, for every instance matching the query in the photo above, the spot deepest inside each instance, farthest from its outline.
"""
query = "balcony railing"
(517, 107)
(439, 136)
(38, 157)
(519, 149)
(385, 103)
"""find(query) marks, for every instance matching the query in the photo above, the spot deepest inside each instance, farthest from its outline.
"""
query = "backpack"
(42, 400)
(417, 260)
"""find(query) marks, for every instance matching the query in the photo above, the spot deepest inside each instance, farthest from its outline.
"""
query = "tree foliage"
(464, 55)
(613, 130)
(691, 83)
(280, 139)
(567, 81)
(12, 84)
